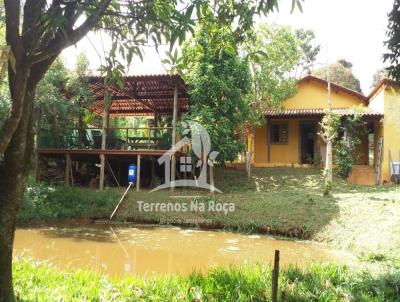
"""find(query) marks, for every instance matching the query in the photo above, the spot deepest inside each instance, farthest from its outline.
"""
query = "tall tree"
(36, 33)
(79, 89)
(379, 75)
(341, 73)
(309, 50)
(393, 42)
(277, 56)
(218, 80)
(53, 118)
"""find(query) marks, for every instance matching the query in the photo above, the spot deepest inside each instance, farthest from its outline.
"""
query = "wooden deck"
(57, 152)
(116, 162)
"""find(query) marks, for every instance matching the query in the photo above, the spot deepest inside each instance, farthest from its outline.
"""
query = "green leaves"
(296, 3)
(218, 81)
(339, 73)
(393, 42)
(273, 53)
(173, 62)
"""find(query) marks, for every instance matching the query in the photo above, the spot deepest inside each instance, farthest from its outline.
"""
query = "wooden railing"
(117, 138)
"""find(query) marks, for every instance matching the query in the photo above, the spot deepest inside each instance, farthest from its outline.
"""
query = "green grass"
(248, 283)
(46, 203)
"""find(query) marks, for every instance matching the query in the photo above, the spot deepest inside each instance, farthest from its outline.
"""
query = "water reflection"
(155, 250)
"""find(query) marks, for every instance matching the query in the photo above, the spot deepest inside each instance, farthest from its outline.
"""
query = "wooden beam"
(71, 173)
(138, 173)
(67, 168)
(212, 190)
(102, 165)
(174, 122)
(269, 140)
(77, 152)
(106, 119)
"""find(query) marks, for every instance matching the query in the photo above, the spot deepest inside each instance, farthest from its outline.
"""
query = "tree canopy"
(340, 73)
(379, 75)
(277, 56)
(218, 80)
(393, 42)
(231, 82)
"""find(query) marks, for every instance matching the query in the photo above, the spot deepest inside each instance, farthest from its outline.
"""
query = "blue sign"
(132, 173)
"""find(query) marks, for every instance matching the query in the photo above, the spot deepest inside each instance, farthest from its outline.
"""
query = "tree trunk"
(249, 154)
(328, 168)
(13, 174)
(81, 131)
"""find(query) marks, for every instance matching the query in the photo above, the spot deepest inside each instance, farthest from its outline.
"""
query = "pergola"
(144, 95)
(141, 96)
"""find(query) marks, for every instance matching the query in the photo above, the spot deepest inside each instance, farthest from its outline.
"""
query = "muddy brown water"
(145, 250)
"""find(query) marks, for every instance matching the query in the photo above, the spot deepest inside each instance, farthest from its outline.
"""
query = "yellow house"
(290, 137)
(385, 99)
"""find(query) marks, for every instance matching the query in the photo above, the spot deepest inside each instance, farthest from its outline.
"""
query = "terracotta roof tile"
(314, 112)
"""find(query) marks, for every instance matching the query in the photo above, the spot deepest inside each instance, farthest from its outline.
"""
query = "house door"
(307, 143)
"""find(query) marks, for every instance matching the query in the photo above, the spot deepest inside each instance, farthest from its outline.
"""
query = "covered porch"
(158, 99)
(290, 138)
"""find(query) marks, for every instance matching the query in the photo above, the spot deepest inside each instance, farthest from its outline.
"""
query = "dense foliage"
(352, 128)
(393, 41)
(219, 81)
(53, 110)
(340, 73)
(59, 108)
(45, 203)
(277, 56)
(232, 81)
(379, 75)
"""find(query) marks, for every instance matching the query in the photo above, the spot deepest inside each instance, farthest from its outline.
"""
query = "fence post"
(275, 276)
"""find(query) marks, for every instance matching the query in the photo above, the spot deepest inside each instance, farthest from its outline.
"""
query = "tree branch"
(33, 10)
(58, 44)
(12, 9)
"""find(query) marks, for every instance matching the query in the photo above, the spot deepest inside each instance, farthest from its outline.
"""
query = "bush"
(43, 202)
(345, 147)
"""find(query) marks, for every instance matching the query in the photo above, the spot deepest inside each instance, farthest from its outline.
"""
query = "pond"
(149, 250)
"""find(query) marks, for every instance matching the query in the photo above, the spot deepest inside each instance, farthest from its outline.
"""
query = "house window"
(279, 133)
(185, 164)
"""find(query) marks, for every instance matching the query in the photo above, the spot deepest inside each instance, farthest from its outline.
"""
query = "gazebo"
(145, 95)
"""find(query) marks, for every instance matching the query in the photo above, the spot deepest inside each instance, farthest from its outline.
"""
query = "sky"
(350, 29)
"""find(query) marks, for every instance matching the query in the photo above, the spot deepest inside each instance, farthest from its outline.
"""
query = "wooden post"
(174, 122)
(126, 139)
(212, 178)
(138, 173)
(269, 140)
(106, 118)
(67, 168)
(71, 172)
(102, 166)
(275, 276)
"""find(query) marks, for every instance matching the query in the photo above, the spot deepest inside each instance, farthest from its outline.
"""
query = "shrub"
(43, 202)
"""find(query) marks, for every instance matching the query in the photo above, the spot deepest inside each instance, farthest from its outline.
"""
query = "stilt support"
(67, 168)
(138, 173)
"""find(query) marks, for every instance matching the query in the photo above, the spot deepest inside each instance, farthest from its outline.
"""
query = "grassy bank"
(251, 283)
(281, 201)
